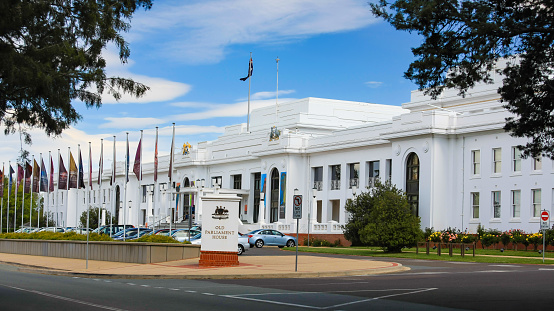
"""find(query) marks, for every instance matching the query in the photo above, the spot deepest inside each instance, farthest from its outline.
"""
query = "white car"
(242, 247)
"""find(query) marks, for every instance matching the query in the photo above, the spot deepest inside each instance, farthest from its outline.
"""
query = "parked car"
(111, 230)
(182, 235)
(243, 244)
(133, 235)
(25, 230)
(78, 230)
(164, 232)
(52, 229)
(125, 234)
(262, 237)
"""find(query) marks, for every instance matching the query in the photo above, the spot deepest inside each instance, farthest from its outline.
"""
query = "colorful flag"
(156, 158)
(81, 183)
(136, 166)
(43, 177)
(250, 70)
(170, 173)
(51, 183)
(73, 172)
(62, 175)
(10, 181)
(28, 176)
(2, 179)
(36, 176)
(20, 177)
(101, 163)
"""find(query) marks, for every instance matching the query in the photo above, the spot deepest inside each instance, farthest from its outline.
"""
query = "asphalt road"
(430, 285)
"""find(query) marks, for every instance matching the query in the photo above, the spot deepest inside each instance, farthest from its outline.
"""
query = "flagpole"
(38, 193)
(156, 190)
(125, 189)
(22, 197)
(139, 183)
(277, 94)
(56, 196)
(48, 190)
(9, 190)
(171, 178)
(249, 84)
(68, 180)
(114, 204)
(77, 190)
(23, 194)
(88, 209)
(100, 171)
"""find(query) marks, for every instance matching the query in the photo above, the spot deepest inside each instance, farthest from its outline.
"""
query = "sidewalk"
(250, 267)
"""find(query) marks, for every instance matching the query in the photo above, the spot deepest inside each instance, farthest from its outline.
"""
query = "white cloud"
(373, 84)
(203, 30)
(160, 89)
(264, 95)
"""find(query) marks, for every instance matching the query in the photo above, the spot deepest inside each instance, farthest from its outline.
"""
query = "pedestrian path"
(278, 266)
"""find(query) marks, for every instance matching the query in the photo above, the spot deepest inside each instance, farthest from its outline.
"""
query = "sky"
(192, 54)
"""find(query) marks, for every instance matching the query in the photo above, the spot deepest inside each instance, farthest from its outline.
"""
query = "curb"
(40, 270)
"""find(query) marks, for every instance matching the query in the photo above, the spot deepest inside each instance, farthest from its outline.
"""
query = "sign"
(297, 207)
(220, 216)
(545, 222)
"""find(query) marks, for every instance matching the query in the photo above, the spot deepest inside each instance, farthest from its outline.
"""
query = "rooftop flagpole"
(277, 94)
(249, 77)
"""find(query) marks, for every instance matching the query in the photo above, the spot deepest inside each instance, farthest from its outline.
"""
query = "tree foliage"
(94, 218)
(51, 54)
(382, 217)
(464, 40)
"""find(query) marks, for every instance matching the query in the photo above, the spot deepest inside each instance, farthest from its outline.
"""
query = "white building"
(451, 155)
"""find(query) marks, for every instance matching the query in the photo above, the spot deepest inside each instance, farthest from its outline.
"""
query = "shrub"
(506, 237)
(315, 242)
(390, 223)
(69, 236)
(518, 237)
(535, 239)
(466, 238)
(435, 237)
(489, 239)
(157, 239)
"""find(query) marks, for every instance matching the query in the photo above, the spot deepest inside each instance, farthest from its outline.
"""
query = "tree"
(382, 217)
(94, 218)
(464, 40)
(51, 54)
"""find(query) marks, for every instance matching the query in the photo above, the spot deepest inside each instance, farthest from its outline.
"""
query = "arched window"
(412, 182)
(274, 209)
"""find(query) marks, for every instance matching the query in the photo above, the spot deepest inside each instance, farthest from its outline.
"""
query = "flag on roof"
(250, 70)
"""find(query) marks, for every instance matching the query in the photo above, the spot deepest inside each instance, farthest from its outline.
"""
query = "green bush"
(315, 242)
(69, 236)
(389, 223)
(157, 239)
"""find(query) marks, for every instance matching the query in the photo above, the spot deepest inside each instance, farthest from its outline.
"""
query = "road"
(429, 285)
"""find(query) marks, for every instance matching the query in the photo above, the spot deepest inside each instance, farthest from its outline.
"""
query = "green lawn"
(482, 255)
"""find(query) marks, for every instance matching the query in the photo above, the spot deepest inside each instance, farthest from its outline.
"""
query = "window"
(516, 203)
(143, 193)
(318, 178)
(496, 160)
(476, 162)
(496, 204)
(373, 173)
(335, 177)
(536, 195)
(237, 181)
(516, 159)
(388, 169)
(353, 169)
(475, 205)
(537, 163)
(412, 182)
(216, 180)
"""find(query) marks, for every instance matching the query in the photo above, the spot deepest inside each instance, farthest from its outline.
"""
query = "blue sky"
(192, 54)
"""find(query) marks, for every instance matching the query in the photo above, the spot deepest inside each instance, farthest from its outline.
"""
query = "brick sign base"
(218, 259)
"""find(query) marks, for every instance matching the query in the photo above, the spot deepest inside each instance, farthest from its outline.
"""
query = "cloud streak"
(205, 29)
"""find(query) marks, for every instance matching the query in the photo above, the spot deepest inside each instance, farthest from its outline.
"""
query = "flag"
(62, 175)
(28, 176)
(51, 186)
(171, 155)
(250, 70)
(156, 158)
(89, 166)
(20, 177)
(81, 183)
(127, 161)
(43, 177)
(36, 176)
(136, 166)
(2, 179)
(101, 163)
(10, 180)
(73, 172)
